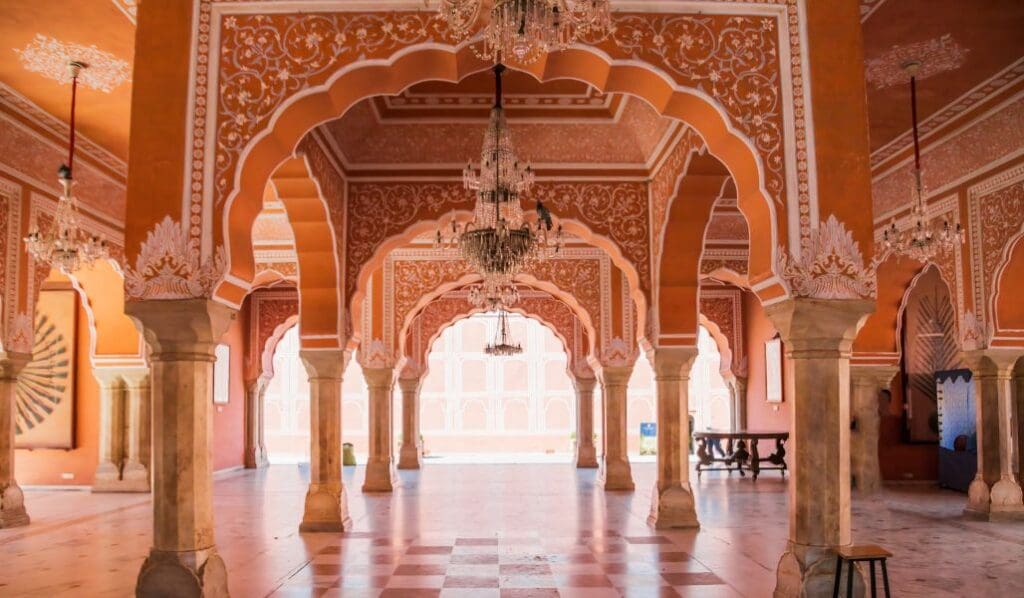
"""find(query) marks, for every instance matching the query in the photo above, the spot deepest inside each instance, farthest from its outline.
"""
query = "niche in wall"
(929, 346)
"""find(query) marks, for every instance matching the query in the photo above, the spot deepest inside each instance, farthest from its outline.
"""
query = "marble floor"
(501, 530)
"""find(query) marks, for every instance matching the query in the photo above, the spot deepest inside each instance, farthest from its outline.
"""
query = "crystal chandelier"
(499, 241)
(525, 30)
(64, 244)
(926, 237)
(502, 345)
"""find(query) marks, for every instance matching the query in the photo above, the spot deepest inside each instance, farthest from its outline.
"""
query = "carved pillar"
(586, 452)
(255, 445)
(125, 430)
(995, 493)
(182, 335)
(380, 467)
(409, 454)
(818, 336)
(615, 473)
(108, 471)
(326, 507)
(867, 381)
(672, 501)
(12, 499)
(139, 440)
(738, 388)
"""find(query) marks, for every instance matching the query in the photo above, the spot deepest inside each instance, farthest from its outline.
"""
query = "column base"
(326, 510)
(586, 457)
(811, 571)
(409, 457)
(1003, 502)
(615, 475)
(12, 506)
(673, 507)
(256, 458)
(135, 478)
(187, 574)
(380, 477)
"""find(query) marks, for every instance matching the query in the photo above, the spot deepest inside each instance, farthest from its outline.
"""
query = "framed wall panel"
(44, 410)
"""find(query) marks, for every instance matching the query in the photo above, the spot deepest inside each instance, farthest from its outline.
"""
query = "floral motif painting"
(44, 410)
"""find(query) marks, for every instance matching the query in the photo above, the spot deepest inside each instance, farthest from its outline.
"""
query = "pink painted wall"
(761, 415)
(229, 419)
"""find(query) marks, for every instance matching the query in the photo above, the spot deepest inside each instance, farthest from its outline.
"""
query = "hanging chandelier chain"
(65, 245)
(926, 237)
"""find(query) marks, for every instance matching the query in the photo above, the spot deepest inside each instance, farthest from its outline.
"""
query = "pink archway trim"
(570, 356)
(268, 350)
(724, 351)
(424, 62)
(901, 313)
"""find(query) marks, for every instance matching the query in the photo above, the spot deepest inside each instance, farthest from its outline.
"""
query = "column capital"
(617, 374)
(410, 384)
(583, 384)
(182, 328)
(813, 325)
(992, 361)
(672, 363)
(11, 364)
(379, 378)
(879, 375)
(325, 364)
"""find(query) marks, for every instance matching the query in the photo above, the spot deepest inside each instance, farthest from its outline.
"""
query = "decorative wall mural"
(930, 345)
(45, 395)
(49, 57)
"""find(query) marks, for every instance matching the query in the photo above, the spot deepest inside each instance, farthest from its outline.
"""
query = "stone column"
(672, 500)
(255, 444)
(995, 493)
(615, 473)
(125, 430)
(738, 388)
(326, 504)
(138, 443)
(182, 335)
(409, 454)
(108, 471)
(818, 337)
(12, 499)
(586, 452)
(380, 467)
(867, 381)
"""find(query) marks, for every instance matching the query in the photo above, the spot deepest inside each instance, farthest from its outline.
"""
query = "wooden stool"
(852, 554)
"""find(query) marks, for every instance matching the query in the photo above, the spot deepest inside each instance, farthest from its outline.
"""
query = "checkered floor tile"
(526, 566)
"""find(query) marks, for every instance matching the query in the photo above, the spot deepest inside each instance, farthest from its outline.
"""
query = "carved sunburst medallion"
(42, 384)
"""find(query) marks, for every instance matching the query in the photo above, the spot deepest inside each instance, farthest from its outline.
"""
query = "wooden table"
(740, 451)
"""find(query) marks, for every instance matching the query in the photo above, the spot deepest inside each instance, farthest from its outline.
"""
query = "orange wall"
(45, 466)
(900, 460)
(229, 419)
(758, 328)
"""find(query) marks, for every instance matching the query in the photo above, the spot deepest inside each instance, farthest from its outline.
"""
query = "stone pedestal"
(867, 381)
(817, 336)
(586, 452)
(12, 499)
(182, 335)
(672, 504)
(995, 493)
(255, 445)
(615, 473)
(409, 454)
(125, 430)
(326, 507)
(380, 467)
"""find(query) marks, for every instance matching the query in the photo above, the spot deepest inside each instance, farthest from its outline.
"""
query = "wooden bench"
(853, 554)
